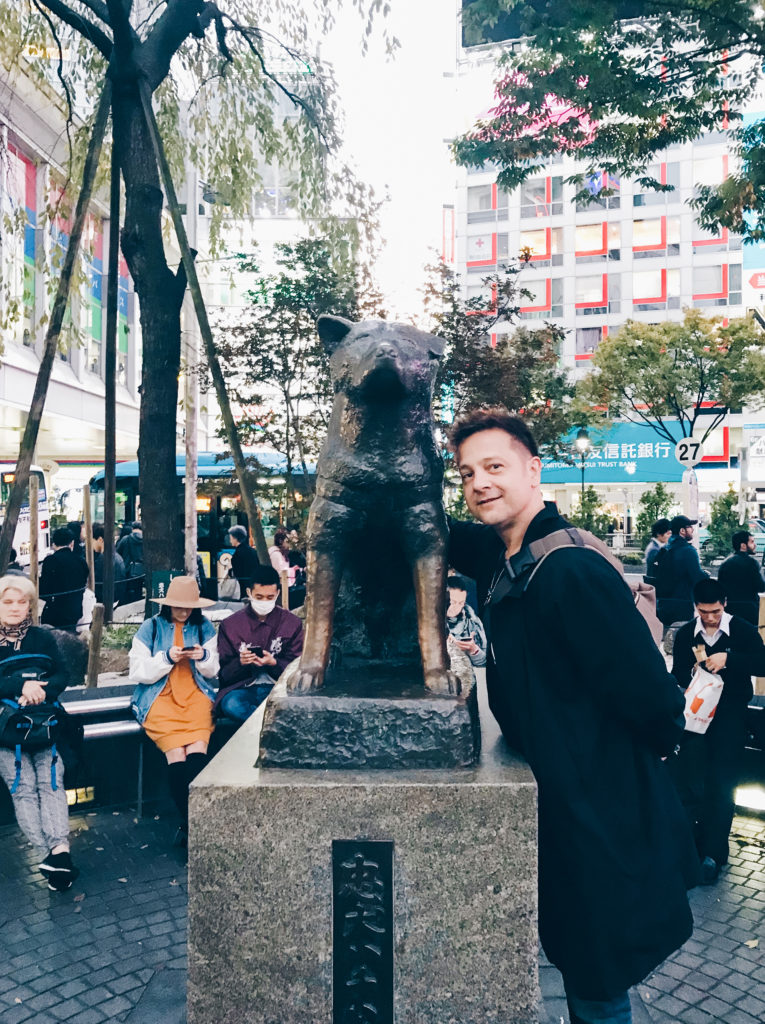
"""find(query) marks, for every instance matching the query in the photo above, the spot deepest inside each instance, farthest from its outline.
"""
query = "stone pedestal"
(261, 887)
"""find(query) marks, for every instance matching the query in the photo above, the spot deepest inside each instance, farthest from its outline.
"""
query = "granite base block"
(366, 725)
(260, 887)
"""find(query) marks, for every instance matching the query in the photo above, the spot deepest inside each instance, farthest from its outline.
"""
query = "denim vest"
(145, 694)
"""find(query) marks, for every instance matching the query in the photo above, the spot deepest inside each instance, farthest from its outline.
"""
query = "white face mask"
(262, 607)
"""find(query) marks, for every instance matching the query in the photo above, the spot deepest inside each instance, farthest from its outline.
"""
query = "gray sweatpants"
(41, 812)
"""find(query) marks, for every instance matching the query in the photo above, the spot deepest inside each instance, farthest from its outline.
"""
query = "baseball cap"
(680, 522)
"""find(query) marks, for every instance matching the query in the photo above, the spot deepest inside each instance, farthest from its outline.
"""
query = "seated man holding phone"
(464, 625)
(255, 646)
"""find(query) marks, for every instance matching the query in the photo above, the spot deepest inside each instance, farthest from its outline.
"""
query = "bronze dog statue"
(377, 524)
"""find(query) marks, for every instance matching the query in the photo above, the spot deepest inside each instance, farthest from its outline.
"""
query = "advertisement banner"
(627, 453)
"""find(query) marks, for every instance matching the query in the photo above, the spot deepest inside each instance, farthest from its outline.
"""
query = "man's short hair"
(709, 592)
(739, 538)
(137, 525)
(455, 582)
(75, 528)
(494, 417)
(62, 538)
(660, 526)
(97, 530)
(239, 534)
(265, 575)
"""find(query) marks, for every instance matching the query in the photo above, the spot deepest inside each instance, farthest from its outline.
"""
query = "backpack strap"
(17, 765)
(541, 549)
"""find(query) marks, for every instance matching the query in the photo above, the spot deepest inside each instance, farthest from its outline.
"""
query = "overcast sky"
(399, 111)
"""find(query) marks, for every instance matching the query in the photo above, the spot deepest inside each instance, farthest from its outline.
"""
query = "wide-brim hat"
(183, 592)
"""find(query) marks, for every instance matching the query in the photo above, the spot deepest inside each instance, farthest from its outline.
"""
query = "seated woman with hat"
(174, 661)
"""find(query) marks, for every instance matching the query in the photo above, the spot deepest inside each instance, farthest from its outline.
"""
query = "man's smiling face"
(500, 478)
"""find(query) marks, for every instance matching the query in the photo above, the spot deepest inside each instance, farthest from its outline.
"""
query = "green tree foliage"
(652, 373)
(273, 360)
(591, 514)
(236, 87)
(522, 372)
(616, 82)
(723, 523)
(654, 504)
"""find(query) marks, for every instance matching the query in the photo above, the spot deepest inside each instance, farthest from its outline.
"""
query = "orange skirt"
(181, 714)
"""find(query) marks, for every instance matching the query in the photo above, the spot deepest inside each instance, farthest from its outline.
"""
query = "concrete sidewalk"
(113, 948)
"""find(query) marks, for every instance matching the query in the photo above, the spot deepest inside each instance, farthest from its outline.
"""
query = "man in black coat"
(98, 567)
(244, 560)
(130, 550)
(741, 578)
(676, 571)
(63, 579)
(707, 766)
(579, 688)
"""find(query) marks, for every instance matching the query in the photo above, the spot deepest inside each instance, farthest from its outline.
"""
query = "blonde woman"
(41, 810)
(174, 661)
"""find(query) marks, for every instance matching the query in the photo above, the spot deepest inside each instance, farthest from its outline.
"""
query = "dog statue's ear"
(436, 346)
(332, 330)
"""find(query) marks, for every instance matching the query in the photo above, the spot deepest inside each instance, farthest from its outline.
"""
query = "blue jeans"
(599, 1011)
(240, 704)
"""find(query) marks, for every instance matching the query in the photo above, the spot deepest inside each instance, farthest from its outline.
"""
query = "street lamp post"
(582, 443)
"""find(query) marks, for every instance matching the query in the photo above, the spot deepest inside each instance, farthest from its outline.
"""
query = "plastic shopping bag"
(701, 699)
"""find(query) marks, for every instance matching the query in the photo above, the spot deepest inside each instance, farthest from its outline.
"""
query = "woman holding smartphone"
(174, 661)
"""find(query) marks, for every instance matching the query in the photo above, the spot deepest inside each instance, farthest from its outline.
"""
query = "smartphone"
(255, 649)
(187, 649)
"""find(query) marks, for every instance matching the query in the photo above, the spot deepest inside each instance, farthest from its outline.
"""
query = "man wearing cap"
(677, 570)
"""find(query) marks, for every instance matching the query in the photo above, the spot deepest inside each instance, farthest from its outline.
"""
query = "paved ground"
(113, 947)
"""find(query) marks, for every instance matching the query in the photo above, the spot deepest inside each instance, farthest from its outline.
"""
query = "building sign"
(626, 454)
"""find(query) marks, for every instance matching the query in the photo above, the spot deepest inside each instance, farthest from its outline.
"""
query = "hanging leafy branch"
(615, 83)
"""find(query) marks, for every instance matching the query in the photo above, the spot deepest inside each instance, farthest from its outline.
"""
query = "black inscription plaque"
(362, 932)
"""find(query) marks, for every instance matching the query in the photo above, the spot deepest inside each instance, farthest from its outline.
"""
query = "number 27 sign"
(689, 452)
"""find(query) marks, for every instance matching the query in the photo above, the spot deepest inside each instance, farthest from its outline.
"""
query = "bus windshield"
(6, 483)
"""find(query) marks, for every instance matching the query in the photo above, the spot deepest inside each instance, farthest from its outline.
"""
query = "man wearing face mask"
(255, 646)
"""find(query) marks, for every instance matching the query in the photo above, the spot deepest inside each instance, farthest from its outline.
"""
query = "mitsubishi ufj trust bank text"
(625, 453)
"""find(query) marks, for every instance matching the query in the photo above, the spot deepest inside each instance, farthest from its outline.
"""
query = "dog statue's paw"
(443, 681)
(305, 679)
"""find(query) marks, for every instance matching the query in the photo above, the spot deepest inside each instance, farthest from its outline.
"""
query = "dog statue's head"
(379, 361)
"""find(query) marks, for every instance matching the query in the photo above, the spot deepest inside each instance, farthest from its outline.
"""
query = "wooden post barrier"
(285, 589)
(94, 647)
(34, 529)
(88, 525)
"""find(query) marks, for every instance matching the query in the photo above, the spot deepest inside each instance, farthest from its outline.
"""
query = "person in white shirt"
(706, 769)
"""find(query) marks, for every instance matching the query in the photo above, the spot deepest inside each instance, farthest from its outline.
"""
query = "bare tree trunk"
(247, 482)
(32, 428)
(160, 295)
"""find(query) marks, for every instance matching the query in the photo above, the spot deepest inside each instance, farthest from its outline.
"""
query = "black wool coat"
(63, 579)
(580, 690)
